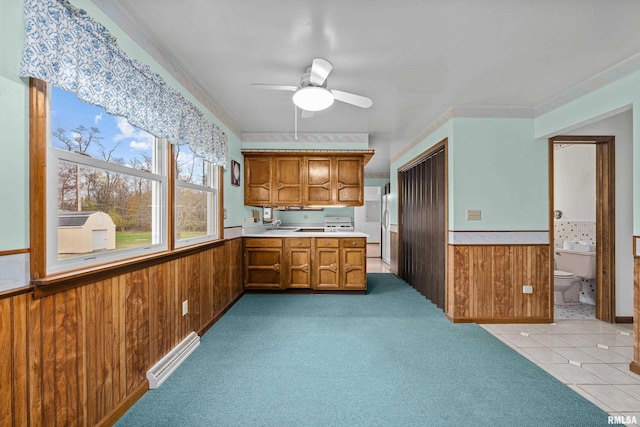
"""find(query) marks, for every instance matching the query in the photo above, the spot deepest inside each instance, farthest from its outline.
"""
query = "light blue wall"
(311, 217)
(14, 131)
(499, 168)
(495, 165)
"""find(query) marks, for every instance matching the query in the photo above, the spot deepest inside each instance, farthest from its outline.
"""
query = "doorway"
(605, 219)
(422, 210)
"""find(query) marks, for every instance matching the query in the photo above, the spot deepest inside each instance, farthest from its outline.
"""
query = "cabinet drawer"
(299, 242)
(353, 243)
(327, 242)
(262, 243)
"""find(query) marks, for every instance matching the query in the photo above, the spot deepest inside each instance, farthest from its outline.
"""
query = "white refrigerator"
(386, 228)
(367, 220)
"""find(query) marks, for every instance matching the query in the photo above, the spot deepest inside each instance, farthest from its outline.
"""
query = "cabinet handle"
(333, 267)
(276, 267)
(347, 268)
(299, 243)
(353, 243)
(264, 243)
(303, 267)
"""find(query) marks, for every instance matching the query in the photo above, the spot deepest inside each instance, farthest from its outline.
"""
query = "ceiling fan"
(312, 94)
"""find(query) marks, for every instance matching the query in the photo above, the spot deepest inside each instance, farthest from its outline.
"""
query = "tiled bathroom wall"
(574, 231)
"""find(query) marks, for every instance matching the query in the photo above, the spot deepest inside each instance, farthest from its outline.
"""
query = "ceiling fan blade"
(352, 98)
(306, 114)
(274, 87)
(320, 69)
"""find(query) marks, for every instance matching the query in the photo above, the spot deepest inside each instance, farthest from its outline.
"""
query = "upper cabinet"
(257, 180)
(287, 184)
(296, 179)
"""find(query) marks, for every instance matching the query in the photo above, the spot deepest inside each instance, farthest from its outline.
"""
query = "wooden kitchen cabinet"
(341, 264)
(288, 179)
(320, 263)
(353, 263)
(257, 181)
(320, 181)
(327, 263)
(263, 266)
(349, 186)
(298, 263)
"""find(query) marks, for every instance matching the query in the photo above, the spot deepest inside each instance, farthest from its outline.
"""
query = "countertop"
(292, 232)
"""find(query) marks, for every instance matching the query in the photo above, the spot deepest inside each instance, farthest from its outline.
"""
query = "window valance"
(64, 46)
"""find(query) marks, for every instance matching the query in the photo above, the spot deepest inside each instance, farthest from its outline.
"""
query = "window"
(107, 189)
(196, 201)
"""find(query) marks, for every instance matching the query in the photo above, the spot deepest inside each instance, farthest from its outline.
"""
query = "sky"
(68, 112)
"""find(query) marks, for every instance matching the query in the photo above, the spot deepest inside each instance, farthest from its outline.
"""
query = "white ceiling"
(414, 58)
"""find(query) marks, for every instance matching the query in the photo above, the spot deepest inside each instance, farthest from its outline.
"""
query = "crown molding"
(608, 76)
(118, 15)
(306, 137)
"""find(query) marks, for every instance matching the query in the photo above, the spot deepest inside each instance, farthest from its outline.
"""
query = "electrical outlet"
(185, 307)
(474, 214)
(527, 289)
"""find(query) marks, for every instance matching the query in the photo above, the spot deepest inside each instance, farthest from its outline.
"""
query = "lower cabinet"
(326, 263)
(341, 264)
(263, 267)
(353, 264)
(298, 266)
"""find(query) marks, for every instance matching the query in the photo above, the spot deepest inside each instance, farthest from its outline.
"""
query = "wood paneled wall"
(635, 364)
(78, 356)
(485, 283)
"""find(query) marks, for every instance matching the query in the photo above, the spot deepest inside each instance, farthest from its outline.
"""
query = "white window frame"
(159, 202)
(211, 188)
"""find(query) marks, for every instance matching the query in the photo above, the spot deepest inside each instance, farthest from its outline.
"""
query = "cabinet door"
(327, 266)
(320, 181)
(353, 268)
(299, 268)
(287, 188)
(349, 185)
(257, 181)
(263, 268)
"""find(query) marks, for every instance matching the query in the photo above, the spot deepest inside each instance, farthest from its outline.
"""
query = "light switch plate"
(527, 289)
(185, 307)
(474, 214)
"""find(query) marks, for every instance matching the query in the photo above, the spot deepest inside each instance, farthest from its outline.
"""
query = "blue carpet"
(387, 358)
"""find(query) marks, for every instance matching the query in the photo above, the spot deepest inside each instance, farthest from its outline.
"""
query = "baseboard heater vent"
(169, 363)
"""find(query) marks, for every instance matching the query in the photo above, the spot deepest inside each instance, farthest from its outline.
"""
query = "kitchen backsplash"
(574, 231)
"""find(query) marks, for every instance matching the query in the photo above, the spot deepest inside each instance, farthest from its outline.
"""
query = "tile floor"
(589, 356)
(578, 311)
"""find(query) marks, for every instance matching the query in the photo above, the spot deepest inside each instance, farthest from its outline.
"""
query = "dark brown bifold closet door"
(423, 227)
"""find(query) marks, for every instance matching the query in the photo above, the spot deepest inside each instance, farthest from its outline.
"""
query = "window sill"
(59, 282)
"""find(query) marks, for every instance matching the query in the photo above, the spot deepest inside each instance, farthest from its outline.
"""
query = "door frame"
(605, 220)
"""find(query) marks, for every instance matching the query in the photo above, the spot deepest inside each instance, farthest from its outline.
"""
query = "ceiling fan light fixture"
(313, 98)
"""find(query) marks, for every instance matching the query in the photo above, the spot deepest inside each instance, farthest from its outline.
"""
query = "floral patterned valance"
(64, 46)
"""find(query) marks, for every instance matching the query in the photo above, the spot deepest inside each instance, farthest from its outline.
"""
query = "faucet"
(275, 224)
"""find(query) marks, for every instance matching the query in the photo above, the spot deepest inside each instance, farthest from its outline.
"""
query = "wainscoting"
(485, 283)
(79, 356)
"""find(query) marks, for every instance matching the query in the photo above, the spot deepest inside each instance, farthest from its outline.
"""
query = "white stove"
(338, 224)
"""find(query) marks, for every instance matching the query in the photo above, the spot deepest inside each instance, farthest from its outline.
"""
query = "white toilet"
(571, 268)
